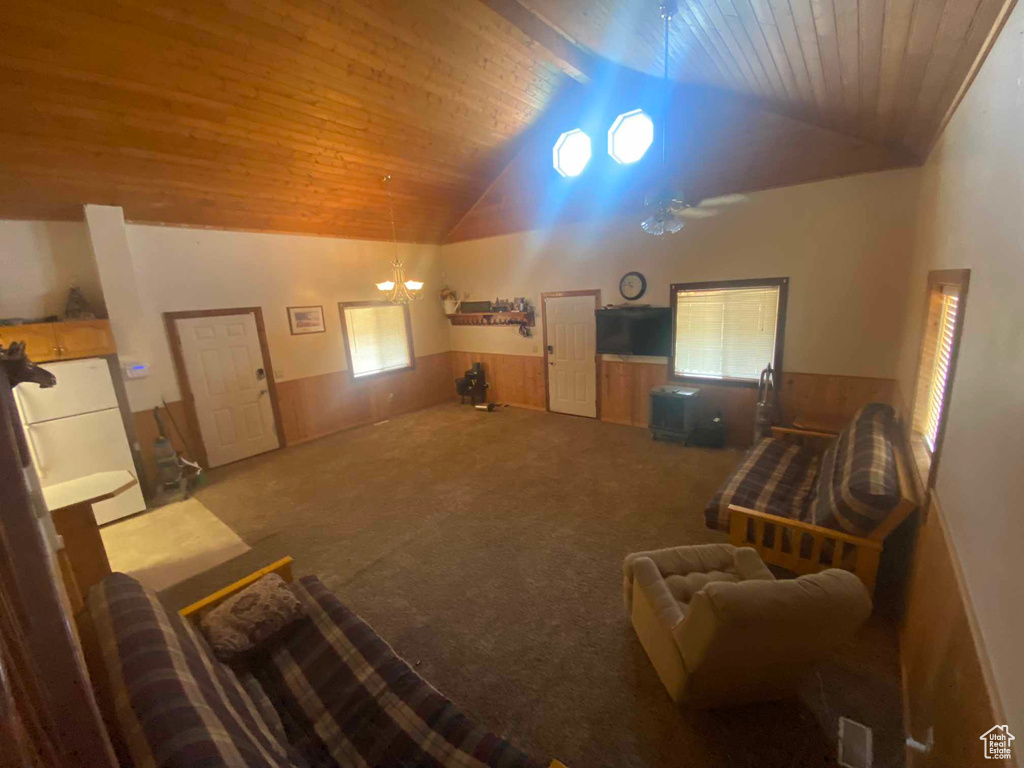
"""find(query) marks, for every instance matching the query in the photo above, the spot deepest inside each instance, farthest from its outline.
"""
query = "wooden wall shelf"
(492, 318)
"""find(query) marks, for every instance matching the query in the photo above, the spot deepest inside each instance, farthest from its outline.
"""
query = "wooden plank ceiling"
(885, 70)
(282, 115)
(263, 114)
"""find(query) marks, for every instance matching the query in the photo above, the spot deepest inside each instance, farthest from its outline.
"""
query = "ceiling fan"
(669, 209)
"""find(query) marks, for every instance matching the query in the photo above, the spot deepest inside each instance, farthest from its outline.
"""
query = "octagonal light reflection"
(630, 136)
(572, 152)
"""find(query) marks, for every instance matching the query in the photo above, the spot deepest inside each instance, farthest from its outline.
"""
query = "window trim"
(782, 283)
(342, 306)
(937, 279)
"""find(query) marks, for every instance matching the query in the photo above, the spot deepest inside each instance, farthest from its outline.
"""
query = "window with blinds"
(939, 336)
(377, 338)
(945, 307)
(726, 332)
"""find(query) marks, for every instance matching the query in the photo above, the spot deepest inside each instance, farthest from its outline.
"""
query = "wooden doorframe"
(188, 399)
(596, 293)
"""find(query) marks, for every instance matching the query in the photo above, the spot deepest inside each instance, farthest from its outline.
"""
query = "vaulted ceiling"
(283, 115)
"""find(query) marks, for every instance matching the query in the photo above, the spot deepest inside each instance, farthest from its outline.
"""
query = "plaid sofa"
(851, 487)
(328, 692)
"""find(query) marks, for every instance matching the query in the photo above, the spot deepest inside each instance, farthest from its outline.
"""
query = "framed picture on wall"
(303, 320)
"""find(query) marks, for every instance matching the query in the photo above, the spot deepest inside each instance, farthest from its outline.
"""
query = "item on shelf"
(450, 300)
(470, 307)
(77, 307)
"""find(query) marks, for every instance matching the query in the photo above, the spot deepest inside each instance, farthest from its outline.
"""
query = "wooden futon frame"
(856, 554)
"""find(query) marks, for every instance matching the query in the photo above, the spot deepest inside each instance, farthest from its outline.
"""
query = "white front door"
(572, 351)
(227, 374)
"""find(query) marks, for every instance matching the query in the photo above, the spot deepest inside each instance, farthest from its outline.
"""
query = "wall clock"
(632, 286)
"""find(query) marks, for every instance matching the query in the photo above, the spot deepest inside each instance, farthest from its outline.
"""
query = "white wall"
(970, 217)
(182, 269)
(39, 262)
(844, 244)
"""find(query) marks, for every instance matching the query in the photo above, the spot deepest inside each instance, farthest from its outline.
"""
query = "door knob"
(263, 392)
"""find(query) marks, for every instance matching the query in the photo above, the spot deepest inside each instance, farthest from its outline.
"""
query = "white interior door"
(572, 349)
(232, 400)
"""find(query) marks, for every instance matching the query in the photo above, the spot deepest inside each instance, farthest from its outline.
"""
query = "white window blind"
(377, 340)
(726, 333)
(940, 371)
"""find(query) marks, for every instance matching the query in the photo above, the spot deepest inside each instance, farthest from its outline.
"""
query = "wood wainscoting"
(624, 389)
(319, 405)
(947, 680)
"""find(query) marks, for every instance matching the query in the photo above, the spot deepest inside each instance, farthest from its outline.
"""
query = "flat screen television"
(634, 331)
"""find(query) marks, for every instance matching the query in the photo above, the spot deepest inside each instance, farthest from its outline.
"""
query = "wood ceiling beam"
(568, 56)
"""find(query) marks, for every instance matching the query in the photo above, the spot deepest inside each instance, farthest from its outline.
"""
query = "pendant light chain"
(398, 289)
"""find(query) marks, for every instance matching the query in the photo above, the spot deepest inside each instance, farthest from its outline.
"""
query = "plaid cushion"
(176, 704)
(346, 698)
(858, 485)
(774, 477)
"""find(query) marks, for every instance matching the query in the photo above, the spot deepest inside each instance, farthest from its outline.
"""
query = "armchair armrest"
(648, 579)
(852, 553)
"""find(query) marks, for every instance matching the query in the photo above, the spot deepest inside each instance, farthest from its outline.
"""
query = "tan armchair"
(719, 629)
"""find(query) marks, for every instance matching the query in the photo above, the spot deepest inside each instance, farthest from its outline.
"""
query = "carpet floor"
(487, 549)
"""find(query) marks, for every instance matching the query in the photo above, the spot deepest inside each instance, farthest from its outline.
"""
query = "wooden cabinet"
(46, 342)
(85, 338)
(40, 340)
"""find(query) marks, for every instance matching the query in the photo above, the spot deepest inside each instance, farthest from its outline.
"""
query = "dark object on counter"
(77, 307)
(673, 412)
(475, 306)
(488, 407)
(473, 385)
(709, 433)
(7, 321)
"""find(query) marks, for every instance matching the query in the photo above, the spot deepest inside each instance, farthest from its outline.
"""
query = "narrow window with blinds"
(727, 331)
(946, 298)
(377, 337)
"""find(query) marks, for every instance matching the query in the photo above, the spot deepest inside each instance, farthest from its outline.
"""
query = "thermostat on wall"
(134, 369)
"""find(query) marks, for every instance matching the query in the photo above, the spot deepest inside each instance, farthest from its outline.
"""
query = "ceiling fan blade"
(723, 200)
(695, 213)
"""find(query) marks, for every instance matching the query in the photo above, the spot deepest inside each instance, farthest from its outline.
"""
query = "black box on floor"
(709, 433)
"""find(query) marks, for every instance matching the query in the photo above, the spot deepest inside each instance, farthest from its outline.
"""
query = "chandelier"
(398, 289)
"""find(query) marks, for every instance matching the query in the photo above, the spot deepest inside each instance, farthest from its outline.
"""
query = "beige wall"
(39, 262)
(181, 269)
(844, 244)
(970, 215)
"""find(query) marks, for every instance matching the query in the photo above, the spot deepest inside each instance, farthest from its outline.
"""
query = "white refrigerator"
(75, 429)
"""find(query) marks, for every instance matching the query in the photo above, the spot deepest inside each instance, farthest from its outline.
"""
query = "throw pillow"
(241, 623)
